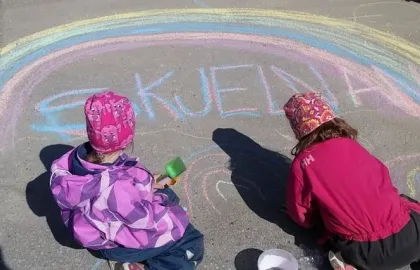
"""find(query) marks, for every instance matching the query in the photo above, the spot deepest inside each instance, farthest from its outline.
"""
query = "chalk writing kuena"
(151, 99)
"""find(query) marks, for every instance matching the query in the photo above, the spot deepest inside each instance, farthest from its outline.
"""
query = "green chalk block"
(174, 168)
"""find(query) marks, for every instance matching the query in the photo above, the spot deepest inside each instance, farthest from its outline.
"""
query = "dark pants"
(172, 256)
(391, 253)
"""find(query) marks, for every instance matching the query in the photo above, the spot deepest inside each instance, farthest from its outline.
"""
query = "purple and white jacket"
(115, 205)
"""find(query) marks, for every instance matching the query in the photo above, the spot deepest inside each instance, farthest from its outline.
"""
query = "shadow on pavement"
(260, 176)
(415, 266)
(40, 199)
(247, 259)
(3, 265)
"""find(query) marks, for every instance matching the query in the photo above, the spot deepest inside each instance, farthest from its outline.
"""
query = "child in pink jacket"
(336, 183)
(109, 202)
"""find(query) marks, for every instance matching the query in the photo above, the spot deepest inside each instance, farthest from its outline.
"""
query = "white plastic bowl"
(277, 259)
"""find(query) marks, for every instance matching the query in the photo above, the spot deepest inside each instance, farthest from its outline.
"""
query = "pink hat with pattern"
(110, 122)
(306, 112)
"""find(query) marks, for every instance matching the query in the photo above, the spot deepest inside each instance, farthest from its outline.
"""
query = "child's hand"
(155, 177)
(161, 183)
(156, 185)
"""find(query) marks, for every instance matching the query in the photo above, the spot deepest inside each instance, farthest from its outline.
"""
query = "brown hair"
(95, 157)
(336, 128)
(98, 158)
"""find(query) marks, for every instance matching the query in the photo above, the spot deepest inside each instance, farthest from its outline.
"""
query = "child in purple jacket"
(110, 203)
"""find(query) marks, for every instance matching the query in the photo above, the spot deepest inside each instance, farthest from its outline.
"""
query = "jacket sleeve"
(299, 199)
(412, 204)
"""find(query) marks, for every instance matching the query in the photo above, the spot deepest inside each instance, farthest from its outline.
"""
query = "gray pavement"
(208, 85)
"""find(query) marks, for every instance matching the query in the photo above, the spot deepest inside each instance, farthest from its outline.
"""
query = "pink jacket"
(341, 184)
(114, 205)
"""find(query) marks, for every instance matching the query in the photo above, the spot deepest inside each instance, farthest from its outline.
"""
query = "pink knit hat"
(110, 122)
(306, 112)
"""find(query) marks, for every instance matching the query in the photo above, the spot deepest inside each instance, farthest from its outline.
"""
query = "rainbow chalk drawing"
(201, 3)
(407, 168)
(364, 59)
(413, 177)
(379, 62)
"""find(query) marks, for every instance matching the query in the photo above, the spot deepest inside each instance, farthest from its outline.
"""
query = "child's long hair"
(335, 128)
